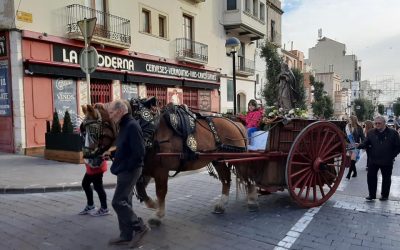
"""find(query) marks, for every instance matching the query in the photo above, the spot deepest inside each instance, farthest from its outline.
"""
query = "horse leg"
(252, 203)
(142, 194)
(224, 175)
(161, 181)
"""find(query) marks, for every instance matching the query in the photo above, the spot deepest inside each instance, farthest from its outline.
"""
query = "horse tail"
(140, 188)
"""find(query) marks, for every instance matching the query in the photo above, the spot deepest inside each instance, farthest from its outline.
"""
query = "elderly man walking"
(384, 145)
(127, 166)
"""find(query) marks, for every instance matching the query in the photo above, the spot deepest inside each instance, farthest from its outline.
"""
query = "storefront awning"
(59, 70)
(63, 70)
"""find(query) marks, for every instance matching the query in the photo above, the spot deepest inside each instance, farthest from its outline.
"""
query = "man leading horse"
(127, 166)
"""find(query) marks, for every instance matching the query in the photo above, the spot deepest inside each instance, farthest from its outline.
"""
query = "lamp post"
(232, 46)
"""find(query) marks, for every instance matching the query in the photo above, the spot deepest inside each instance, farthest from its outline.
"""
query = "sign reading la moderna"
(112, 61)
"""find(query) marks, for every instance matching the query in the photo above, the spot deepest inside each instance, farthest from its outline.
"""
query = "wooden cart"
(307, 157)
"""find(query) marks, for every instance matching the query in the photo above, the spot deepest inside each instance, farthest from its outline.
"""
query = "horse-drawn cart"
(307, 157)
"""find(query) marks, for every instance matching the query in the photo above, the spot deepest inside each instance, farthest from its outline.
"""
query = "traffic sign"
(88, 59)
(87, 28)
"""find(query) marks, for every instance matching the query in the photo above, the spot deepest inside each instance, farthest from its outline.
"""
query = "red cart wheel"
(316, 163)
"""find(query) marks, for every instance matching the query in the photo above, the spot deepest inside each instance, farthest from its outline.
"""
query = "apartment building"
(273, 35)
(145, 48)
(331, 56)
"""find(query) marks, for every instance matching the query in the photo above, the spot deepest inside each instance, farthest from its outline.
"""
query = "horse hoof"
(154, 222)
(218, 210)
(252, 207)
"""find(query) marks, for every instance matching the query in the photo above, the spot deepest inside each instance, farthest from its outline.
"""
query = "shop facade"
(51, 79)
(6, 113)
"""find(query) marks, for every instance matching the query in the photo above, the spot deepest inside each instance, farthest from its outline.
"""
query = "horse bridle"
(95, 128)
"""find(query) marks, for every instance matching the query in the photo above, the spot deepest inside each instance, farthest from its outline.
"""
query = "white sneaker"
(101, 212)
(87, 210)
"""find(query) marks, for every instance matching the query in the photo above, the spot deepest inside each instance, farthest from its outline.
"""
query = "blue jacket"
(130, 146)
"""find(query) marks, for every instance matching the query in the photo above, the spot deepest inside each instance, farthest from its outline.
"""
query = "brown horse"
(98, 132)
(166, 140)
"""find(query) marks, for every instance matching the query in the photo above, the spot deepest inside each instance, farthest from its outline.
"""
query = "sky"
(370, 29)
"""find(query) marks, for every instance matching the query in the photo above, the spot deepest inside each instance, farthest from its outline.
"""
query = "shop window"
(100, 91)
(191, 97)
(160, 93)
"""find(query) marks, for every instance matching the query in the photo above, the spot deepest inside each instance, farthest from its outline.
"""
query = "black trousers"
(352, 168)
(97, 180)
(122, 203)
(372, 179)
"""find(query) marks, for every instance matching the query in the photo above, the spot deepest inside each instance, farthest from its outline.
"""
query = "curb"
(50, 189)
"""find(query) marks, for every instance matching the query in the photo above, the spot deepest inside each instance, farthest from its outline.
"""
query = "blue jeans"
(250, 131)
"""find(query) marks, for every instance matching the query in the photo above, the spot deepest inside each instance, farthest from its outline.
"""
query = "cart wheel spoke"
(302, 178)
(326, 182)
(298, 163)
(299, 172)
(309, 181)
(304, 184)
(323, 142)
(327, 145)
(315, 188)
(321, 186)
(331, 157)
(304, 156)
(334, 147)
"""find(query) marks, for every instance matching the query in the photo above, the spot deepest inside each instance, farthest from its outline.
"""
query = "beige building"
(273, 35)
(145, 48)
(330, 56)
(293, 58)
(334, 90)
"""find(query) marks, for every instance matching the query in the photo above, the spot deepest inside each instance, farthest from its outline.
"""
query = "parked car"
(391, 123)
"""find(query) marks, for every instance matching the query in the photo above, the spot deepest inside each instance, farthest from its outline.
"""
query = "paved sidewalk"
(25, 174)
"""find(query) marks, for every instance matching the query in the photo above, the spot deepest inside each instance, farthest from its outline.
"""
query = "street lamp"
(232, 46)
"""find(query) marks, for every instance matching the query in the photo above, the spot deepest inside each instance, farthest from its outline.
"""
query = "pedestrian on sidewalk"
(355, 134)
(94, 174)
(368, 126)
(384, 146)
(127, 166)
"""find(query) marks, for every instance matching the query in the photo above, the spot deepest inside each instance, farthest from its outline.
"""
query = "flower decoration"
(274, 114)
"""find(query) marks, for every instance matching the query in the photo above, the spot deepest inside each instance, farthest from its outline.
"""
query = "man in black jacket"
(384, 145)
(127, 166)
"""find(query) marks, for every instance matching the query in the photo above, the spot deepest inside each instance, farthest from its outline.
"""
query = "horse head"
(98, 133)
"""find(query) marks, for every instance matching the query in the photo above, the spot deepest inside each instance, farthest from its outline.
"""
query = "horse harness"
(93, 130)
(183, 123)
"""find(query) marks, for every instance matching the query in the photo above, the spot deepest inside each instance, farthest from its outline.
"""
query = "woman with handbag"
(355, 135)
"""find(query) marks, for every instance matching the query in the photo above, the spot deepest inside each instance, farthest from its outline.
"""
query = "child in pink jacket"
(252, 118)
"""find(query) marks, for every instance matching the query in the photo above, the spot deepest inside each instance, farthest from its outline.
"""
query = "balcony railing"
(109, 28)
(189, 50)
(245, 66)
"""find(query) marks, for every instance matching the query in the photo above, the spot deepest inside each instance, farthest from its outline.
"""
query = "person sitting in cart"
(253, 117)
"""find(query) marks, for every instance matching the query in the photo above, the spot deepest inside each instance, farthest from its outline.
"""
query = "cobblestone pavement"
(50, 221)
